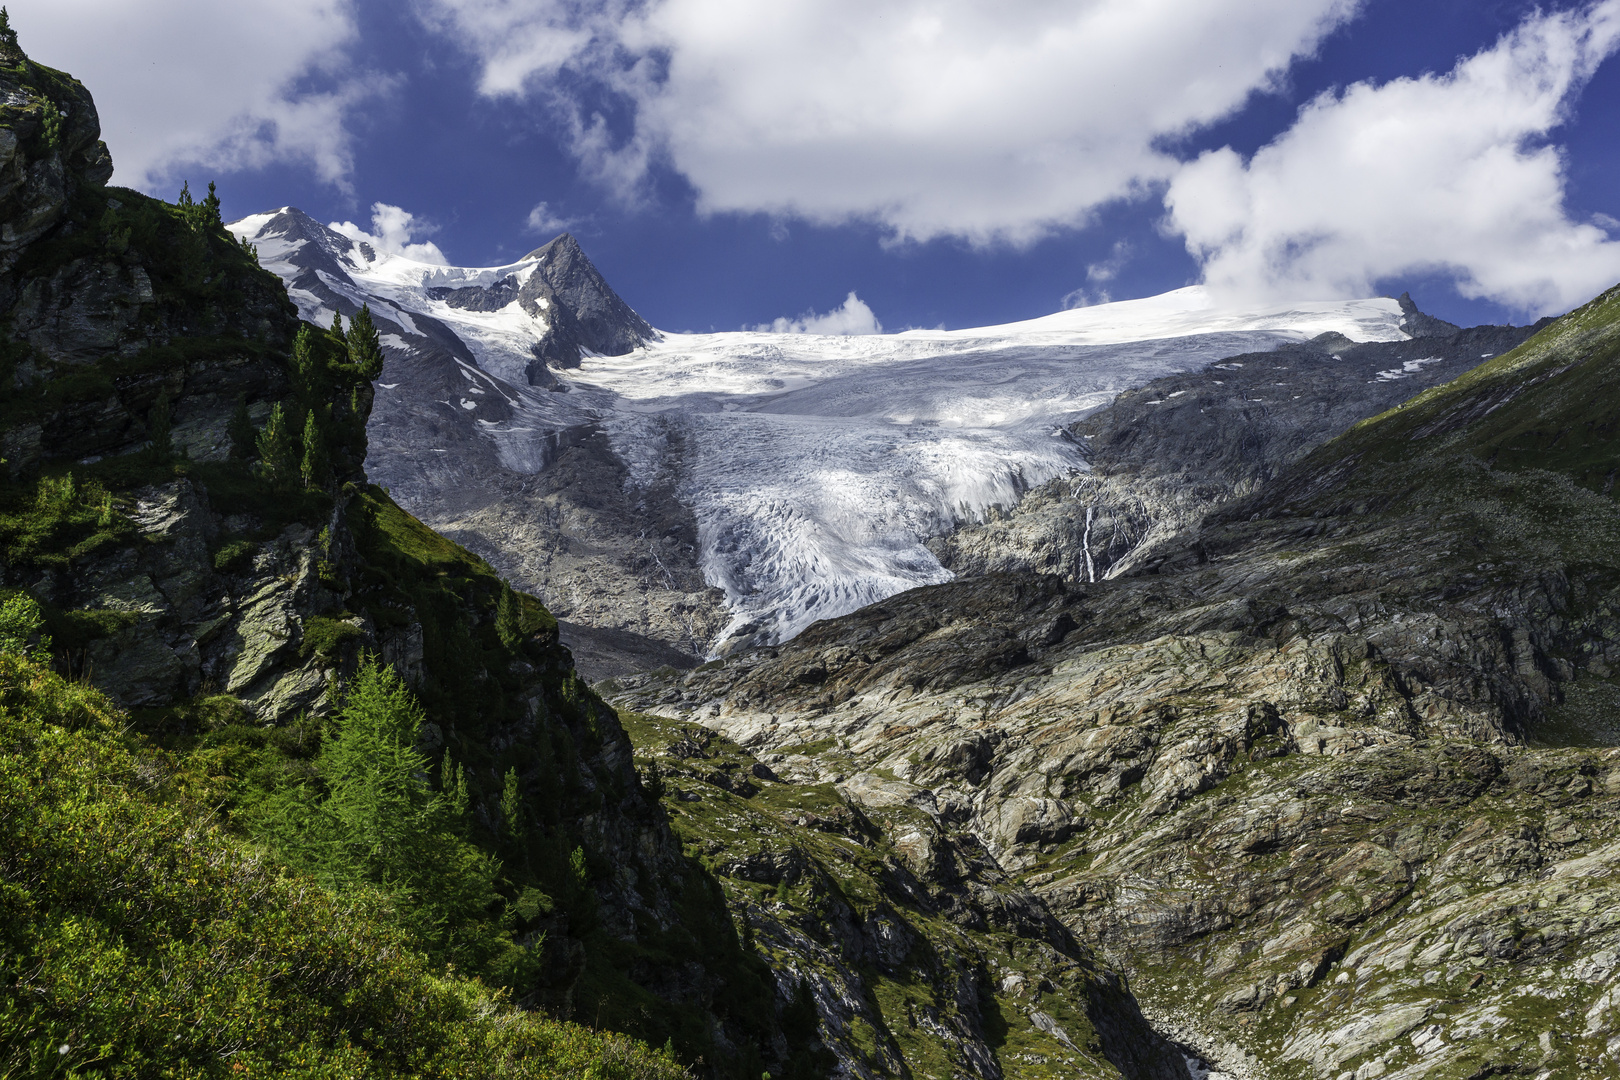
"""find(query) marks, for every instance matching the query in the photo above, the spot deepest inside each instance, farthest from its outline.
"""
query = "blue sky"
(952, 163)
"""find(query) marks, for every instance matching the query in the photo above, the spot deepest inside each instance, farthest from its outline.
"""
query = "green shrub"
(20, 622)
(324, 636)
(64, 521)
(235, 556)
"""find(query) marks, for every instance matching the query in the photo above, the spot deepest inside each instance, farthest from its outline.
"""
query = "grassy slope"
(1552, 404)
(139, 938)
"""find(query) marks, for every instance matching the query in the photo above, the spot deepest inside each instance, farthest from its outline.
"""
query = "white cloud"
(393, 229)
(202, 83)
(542, 219)
(1445, 173)
(1080, 298)
(932, 117)
(853, 316)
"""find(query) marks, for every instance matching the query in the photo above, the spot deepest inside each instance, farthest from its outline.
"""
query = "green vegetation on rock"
(138, 938)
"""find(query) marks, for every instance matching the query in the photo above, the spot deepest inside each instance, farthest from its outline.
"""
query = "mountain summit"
(551, 307)
(590, 314)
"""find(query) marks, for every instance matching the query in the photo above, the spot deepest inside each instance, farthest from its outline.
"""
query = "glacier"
(816, 467)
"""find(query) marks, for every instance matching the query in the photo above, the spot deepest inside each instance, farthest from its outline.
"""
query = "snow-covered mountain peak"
(549, 308)
(814, 468)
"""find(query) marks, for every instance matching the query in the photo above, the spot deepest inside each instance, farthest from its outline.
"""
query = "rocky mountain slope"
(1165, 454)
(468, 434)
(1331, 777)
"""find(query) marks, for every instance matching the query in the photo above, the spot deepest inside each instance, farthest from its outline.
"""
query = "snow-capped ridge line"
(815, 468)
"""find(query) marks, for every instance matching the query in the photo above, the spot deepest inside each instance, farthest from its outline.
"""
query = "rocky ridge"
(1330, 776)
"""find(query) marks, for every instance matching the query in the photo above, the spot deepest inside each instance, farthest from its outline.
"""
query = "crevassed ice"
(818, 467)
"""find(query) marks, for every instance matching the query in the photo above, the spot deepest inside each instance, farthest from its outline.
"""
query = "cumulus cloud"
(392, 230)
(853, 316)
(931, 117)
(1447, 173)
(217, 85)
(542, 219)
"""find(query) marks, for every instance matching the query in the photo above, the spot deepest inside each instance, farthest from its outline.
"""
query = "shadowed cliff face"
(50, 149)
(1331, 776)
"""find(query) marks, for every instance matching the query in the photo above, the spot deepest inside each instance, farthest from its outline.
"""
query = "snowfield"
(817, 467)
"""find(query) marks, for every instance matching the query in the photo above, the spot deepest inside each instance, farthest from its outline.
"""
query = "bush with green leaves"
(20, 623)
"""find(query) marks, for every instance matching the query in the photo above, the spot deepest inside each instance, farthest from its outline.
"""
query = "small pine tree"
(512, 805)
(306, 366)
(337, 326)
(113, 235)
(314, 468)
(161, 428)
(51, 129)
(8, 36)
(509, 618)
(185, 201)
(365, 346)
(243, 434)
(453, 783)
(210, 209)
(277, 451)
(579, 868)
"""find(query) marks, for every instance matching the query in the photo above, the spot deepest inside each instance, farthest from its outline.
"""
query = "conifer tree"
(8, 36)
(314, 468)
(509, 618)
(453, 783)
(277, 450)
(380, 822)
(512, 805)
(210, 208)
(244, 435)
(337, 326)
(306, 366)
(51, 125)
(365, 347)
